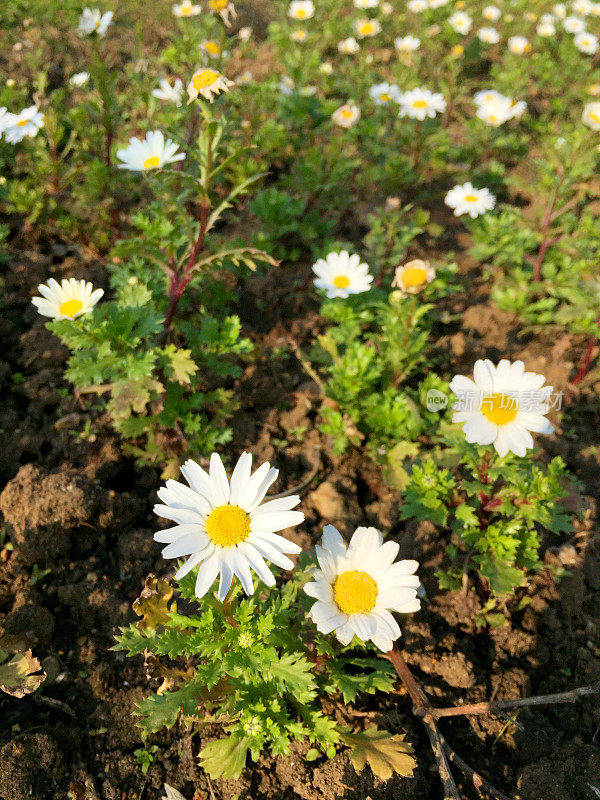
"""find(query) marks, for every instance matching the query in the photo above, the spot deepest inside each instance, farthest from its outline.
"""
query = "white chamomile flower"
(417, 6)
(94, 21)
(595, 10)
(224, 526)
(207, 82)
(586, 43)
(186, 9)
(591, 115)
(501, 405)
(491, 13)
(407, 44)
(465, 199)
(518, 45)
(299, 35)
(559, 10)
(346, 116)
(301, 9)
(366, 27)
(438, 3)
(165, 91)
(244, 78)
(348, 46)
(68, 299)
(412, 277)
(79, 79)
(364, 4)
(461, 22)
(153, 152)
(583, 7)
(383, 93)
(342, 274)
(357, 587)
(497, 109)
(326, 68)
(26, 123)
(574, 25)
(488, 35)
(421, 103)
(211, 48)
(286, 85)
(225, 9)
(387, 9)
(546, 29)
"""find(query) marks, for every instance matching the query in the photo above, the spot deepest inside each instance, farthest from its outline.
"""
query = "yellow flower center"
(367, 28)
(70, 307)
(458, 50)
(492, 118)
(341, 281)
(300, 13)
(499, 408)
(419, 104)
(185, 11)
(22, 122)
(594, 117)
(384, 97)
(414, 276)
(212, 48)
(227, 526)
(218, 5)
(204, 78)
(471, 198)
(346, 113)
(151, 162)
(355, 592)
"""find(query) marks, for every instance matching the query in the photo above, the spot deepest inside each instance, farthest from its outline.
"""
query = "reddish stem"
(585, 365)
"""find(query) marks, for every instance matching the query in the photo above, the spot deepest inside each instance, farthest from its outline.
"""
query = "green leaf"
(503, 578)
(180, 365)
(163, 710)
(226, 758)
(384, 752)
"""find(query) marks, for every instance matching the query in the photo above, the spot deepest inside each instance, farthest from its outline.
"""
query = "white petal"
(207, 573)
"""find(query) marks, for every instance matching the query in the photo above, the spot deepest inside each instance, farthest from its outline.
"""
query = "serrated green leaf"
(226, 758)
(384, 752)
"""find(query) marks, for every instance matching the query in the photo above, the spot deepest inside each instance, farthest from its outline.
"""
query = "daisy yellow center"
(594, 117)
(204, 78)
(346, 113)
(150, 162)
(218, 5)
(419, 104)
(300, 13)
(499, 408)
(185, 11)
(341, 281)
(368, 27)
(492, 118)
(384, 97)
(70, 307)
(212, 48)
(355, 592)
(22, 122)
(414, 276)
(227, 526)
(471, 198)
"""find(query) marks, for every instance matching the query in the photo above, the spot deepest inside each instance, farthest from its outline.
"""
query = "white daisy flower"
(68, 299)
(346, 116)
(364, 4)
(286, 85)
(211, 48)
(559, 10)
(546, 29)
(79, 79)
(26, 123)
(461, 22)
(153, 152)
(299, 35)
(438, 3)
(501, 405)
(244, 78)
(245, 34)
(186, 9)
(407, 44)
(574, 25)
(342, 274)
(326, 68)
(421, 103)
(488, 35)
(383, 93)
(171, 94)
(486, 96)
(301, 9)
(595, 10)
(366, 27)
(465, 199)
(224, 525)
(387, 9)
(491, 13)
(583, 7)
(356, 587)
(225, 9)
(207, 82)
(499, 109)
(94, 21)
(591, 115)
(417, 6)
(586, 43)
(413, 276)
(348, 46)
(518, 45)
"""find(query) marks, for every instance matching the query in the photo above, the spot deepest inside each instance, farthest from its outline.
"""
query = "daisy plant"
(497, 501)
(259, 661)
(159, 351)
